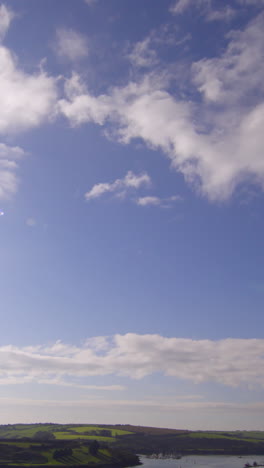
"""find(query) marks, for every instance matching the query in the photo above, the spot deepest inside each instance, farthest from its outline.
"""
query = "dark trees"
(44, 435)
(94, 447)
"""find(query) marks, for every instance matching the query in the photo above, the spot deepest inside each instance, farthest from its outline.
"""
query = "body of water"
(203, 461)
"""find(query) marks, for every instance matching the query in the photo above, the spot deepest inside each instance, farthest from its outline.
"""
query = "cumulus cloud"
(120, 187)
(27, 100)
(79, 106)
(237, 75)
(9, 158)
(216, 143)
(70, 45)
(231, 362)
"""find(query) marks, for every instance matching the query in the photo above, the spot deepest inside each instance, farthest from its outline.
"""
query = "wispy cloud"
(222, 14)
(180, 6)
(158, 201)
(252, 3)
(31, 379)
(120, 187)
(31, 222)
(210, 10)
(6, 16)
(146, 201)
(9, 158)
(143, 55)
(147, 53)
(71, 45)
(90, 2)
(147, 404)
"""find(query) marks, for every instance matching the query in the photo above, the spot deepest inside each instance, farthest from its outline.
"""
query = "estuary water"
(203, 461)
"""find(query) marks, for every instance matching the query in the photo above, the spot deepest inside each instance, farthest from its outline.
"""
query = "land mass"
(107, 446)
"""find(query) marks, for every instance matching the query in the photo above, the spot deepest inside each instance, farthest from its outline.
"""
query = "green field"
(66, 436)
(70, 432)
(26, 454)
(114, 432)
(71, 444)
(72, 452)
(232, 436)
(22, 430)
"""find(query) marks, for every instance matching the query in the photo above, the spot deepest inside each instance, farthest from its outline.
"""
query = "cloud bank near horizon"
(231, 362)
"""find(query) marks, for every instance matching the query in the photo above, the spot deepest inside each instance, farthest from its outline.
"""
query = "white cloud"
(157, 201)
(6, 16)
(231, 362)
(26, 100)
(80, 106)
(119, 186)
(238, 73)
(216, 144)
(146, 201)
(98, 343)
(9, 157)
(70, 45)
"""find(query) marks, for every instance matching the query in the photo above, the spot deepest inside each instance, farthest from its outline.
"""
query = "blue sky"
(131, 191)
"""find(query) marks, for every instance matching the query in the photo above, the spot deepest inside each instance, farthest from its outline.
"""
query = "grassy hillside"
(13, 431)
(30, 454)
(173, 442)
(64, 445)
(73, 445)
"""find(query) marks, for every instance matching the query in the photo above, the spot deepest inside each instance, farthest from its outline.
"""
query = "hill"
(103, 446)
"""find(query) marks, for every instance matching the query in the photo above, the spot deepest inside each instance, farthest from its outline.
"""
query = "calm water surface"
(202, 461)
